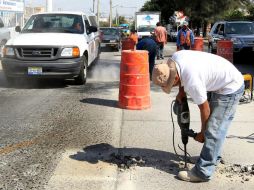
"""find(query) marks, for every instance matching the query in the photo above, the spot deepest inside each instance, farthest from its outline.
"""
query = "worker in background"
(134, 36)
(185, 37)
(150, 45)
(160, 34)
(197, 73)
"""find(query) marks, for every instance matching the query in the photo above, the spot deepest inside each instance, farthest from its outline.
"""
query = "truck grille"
(37, 52)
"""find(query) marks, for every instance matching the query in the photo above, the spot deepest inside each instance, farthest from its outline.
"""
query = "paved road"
(56, 135)
(40, 119)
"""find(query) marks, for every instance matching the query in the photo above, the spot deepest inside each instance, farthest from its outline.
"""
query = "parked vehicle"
(241, 33)
(125, 29)
(53, 45)
(4, 34)
(111, 37)
(145, 23)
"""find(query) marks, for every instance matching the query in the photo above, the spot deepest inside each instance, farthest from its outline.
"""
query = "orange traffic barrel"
(225, 49)
(128, 44)
(198, 44)
(134, 87)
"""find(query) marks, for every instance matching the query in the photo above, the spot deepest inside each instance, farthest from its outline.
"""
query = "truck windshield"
(54, 23)
(240, 28)
(146, 28)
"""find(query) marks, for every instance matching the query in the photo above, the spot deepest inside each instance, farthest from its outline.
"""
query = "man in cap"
(185, 37)
(197, 73)
(160, 34)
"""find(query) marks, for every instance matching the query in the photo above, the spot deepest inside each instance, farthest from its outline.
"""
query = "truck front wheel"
(81, 78)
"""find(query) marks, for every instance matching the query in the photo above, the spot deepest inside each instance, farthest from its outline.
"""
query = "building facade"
(12, 12)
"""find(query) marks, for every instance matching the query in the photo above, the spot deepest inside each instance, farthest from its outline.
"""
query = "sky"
(127, 8)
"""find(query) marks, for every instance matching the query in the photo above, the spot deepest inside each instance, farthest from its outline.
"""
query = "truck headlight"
(236, 40)
(70, 52)
(8, 51)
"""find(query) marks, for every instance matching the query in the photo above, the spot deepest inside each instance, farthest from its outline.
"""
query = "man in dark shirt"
(150, 45)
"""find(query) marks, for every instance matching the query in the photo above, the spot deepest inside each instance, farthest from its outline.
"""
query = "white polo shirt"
(202, 72)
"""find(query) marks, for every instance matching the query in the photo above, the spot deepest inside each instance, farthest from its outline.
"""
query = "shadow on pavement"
(100, 102)
(250, 137)
(125, 158)
(108, 49)
(33, 83)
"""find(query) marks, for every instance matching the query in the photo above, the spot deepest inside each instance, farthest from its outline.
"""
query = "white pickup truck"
(53, 45)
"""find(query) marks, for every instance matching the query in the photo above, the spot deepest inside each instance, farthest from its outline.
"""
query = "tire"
(81, 78)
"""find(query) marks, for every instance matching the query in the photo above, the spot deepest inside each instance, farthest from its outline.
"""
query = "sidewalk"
(143, 142)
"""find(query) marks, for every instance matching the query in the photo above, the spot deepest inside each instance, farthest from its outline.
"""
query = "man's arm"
(166, 36)
(181, 94)
(204, 114)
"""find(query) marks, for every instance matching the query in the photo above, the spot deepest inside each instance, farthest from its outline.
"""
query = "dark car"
(111, 37)
(241, 33)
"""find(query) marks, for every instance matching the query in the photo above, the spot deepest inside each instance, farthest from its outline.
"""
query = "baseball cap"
(164, 75)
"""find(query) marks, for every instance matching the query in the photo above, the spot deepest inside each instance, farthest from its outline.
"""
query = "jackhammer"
(183, 120)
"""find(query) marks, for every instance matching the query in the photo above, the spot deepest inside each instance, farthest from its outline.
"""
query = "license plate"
(34, 70)
(103, 45)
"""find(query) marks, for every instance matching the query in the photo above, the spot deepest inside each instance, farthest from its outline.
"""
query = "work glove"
(200, 137)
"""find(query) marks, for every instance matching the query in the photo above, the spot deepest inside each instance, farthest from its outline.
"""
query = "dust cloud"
(105, 71)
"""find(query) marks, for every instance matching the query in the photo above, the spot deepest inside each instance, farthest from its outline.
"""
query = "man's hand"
(200, 137)
(181, 94)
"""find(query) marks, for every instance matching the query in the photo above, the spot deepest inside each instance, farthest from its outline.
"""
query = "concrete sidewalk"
(143, 142)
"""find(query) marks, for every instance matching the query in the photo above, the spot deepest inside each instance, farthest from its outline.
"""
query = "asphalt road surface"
(40, 119)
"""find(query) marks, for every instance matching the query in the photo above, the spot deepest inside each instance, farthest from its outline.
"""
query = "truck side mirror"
(221, 33)
(18, 29)
(92, 29)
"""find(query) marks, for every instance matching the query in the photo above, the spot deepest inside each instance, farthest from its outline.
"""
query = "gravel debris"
(244, 172)
(124, 162)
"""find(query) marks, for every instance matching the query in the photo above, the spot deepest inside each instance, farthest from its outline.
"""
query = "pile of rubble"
(244, 172)
(124, 162)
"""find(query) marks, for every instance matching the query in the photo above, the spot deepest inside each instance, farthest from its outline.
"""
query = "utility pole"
(98, 12)
(93, 5)
(116, 17)
(110, 14)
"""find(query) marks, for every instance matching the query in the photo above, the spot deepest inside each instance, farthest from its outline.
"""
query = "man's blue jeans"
(223, 109)
(160, 49)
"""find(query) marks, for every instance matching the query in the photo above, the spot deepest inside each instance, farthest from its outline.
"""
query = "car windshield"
(56, 23)
(109, 31)
(240, 28)
(146, 28)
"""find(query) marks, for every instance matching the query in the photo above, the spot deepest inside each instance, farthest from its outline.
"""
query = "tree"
(161, 6)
